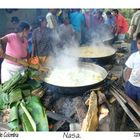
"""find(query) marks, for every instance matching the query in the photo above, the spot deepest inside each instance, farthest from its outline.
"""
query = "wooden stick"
(58, 125)
(91, 121)
(119, 95)
(123, 122)
(59, 117)
(80, 108)
(128, 112)
(131, 103)
(101, 97)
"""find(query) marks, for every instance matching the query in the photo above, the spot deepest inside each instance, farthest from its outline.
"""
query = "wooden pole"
(128, 112)
(131, 103)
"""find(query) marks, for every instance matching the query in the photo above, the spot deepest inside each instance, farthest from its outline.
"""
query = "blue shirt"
(110, 21)
(76, 19)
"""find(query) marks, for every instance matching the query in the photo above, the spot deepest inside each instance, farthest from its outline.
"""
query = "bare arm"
(133, 25)
(2, 40)
(127, 73)
(132, 29)
(33, 48)
(33, 43)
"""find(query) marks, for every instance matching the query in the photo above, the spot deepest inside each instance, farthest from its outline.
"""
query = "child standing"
(132, 74)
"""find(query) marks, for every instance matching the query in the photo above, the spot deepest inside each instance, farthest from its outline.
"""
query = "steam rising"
(66, 51)
(62, 50)
(65, 64)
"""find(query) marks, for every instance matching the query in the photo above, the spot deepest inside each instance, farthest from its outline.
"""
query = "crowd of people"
(84, 25)
(64, 27)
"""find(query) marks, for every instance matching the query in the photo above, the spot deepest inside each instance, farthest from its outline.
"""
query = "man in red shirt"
(120, 24)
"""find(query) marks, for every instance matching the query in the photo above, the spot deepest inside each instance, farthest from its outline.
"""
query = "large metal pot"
(108, 41)
(105, 40)
(102, 60)
(78, 90)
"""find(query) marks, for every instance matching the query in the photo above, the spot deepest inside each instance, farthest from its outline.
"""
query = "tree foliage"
(128, 13)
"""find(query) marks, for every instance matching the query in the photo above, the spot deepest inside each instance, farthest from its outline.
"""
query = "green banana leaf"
(9, 85)
(34, 84)
(26, 92)
(38, 113)
(15, 95)
(26, 119)
(24, 86)
(1, 89)
(23, 79)
(14, 119)
(31, 73)
(4, 101)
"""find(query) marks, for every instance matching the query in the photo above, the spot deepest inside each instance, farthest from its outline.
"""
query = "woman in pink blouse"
(16, 46)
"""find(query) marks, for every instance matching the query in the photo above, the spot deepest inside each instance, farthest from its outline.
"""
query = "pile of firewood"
(81, 113)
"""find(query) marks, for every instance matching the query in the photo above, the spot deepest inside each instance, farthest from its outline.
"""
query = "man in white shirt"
(51, 19)
(132, 74)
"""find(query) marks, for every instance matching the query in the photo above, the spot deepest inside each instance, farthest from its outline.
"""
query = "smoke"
(65, 47)
(100, 35)
(64, 51)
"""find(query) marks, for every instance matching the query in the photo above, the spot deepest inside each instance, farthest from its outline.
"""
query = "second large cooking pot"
(101, 55)
(78, 90)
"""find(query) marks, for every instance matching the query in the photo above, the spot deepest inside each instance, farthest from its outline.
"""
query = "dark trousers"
(132, 91)
(134, 46)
